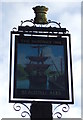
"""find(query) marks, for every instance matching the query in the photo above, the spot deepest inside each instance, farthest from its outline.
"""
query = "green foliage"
(21, 73)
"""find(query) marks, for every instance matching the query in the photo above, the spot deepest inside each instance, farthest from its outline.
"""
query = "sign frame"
(23, 37)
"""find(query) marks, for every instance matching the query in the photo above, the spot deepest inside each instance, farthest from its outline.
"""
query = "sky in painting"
(26, 50)
(68, 13)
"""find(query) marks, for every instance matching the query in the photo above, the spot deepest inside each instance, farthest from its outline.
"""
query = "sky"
(69, 15)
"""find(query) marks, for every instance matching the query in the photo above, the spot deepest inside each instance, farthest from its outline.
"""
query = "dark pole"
(41, 111)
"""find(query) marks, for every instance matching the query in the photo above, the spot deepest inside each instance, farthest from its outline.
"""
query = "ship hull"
(38, 82)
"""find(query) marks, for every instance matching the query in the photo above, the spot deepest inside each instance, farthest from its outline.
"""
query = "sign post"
(41, 66)
(41, 111)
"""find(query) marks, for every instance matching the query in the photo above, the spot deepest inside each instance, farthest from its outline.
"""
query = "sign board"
(40, 69)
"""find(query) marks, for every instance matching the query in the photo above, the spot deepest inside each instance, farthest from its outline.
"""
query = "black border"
(33, 37)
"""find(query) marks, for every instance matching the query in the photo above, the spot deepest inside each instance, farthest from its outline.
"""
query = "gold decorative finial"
(40, 15)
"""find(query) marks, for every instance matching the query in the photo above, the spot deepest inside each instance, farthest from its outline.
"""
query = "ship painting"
(36, 69)
(40, 67)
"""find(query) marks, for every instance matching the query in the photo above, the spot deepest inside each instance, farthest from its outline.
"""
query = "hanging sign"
(40, 69)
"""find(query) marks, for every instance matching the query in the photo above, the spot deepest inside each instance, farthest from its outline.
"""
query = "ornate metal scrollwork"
(65, 108)
(22, 22)
(48, 22)
(17, 107)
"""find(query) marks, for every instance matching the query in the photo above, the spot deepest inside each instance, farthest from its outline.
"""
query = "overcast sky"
(69, 15)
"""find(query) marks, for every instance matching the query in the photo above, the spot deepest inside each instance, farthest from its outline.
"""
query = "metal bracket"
(64, 108)
(42, 28)
(17, 107)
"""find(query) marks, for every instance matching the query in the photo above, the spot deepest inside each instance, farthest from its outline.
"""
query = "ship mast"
(38, 47)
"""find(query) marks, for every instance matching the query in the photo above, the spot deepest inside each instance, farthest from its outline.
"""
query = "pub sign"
(40, 68)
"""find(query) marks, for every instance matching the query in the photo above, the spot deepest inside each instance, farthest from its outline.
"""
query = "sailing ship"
(36, 69)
